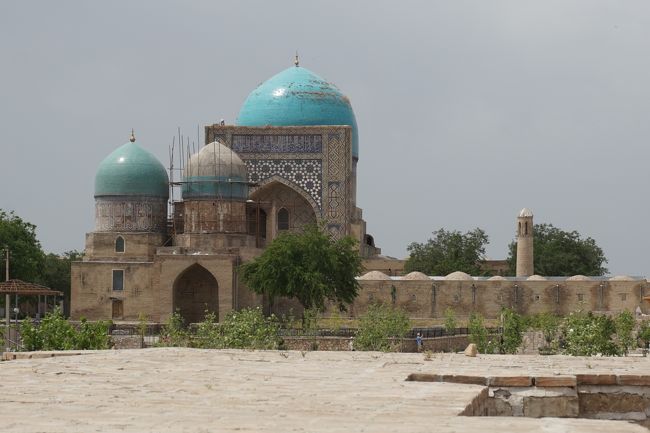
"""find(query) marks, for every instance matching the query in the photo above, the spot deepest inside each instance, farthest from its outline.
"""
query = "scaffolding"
(214, 186)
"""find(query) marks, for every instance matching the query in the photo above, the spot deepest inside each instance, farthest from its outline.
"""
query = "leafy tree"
(513, 331)
(26, 255)
(379, 328)
(625, 323)
(561, 253)
(310, 266)
(587, 334)
(55, 273)
(447, 252)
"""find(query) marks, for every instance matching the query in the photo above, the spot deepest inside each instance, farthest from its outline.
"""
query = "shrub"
(249, 329)
(513, 331)
(586, 334)
(624, 323)
(56, 333)
(379, 328)
(644, 333)
(450, 321)
(174, 333)
(92, 336)
(478, 333)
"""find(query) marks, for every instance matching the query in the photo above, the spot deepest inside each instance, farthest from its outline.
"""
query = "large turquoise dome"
(131, 171)
(298, 97)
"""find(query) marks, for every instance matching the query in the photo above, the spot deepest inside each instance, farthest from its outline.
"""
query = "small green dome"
(131, 171)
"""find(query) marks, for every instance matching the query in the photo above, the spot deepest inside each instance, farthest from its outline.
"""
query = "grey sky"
(467, 110)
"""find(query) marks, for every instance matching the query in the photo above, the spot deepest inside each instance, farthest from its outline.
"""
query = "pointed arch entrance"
(195, 292)
(285, 207)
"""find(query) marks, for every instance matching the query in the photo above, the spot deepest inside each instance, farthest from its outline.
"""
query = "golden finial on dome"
(132, 138)
(296, 61)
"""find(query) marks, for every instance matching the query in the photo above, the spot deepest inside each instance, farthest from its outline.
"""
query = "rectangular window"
(581, 297)
(118, 279)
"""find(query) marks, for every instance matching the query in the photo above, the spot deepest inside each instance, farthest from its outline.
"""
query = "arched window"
(526, 228)
(283, 219)
(119, 244)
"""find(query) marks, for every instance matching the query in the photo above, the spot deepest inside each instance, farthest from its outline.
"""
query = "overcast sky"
(467, 110)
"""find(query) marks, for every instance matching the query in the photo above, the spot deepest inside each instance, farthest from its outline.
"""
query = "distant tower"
(525, 243)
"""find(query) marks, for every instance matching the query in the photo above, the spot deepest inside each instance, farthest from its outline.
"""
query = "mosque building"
(290, 160)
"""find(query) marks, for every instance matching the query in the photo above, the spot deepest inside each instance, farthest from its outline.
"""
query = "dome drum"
(130, 214)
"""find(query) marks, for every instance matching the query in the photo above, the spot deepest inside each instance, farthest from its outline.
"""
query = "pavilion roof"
(19, 287)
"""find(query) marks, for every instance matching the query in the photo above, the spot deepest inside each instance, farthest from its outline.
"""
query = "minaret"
(525, 243)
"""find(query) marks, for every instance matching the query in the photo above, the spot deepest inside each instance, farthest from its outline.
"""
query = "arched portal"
(285, 208)
(195, 292)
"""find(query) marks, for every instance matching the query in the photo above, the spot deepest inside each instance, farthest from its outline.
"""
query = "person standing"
(418, 341)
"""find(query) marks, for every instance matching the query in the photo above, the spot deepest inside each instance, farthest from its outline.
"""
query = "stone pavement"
(191, 390)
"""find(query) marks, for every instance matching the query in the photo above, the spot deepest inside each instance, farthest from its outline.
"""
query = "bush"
(174, 333)
(450, 321)
(625, 323)
(249, 329)
(548, 324)
(586, 334)
(379, 328)
(478, 334)
(644, 333)
(92, 336)
(56, 333)
(513, 331)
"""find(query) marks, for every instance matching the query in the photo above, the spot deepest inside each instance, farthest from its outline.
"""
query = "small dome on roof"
(415, 275)
(375, 275)
(130, 170)
(621, 278)
(215, 171)
(525, 213)
(458, 275)
(578, 278)
(536, 278)
(298, 97)
(497, 278)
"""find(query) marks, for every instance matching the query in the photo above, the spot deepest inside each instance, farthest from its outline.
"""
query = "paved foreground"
(190, 390)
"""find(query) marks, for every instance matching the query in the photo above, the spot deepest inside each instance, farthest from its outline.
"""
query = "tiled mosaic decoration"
(306, 173)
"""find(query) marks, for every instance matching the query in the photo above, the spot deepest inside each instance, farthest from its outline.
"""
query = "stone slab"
(191, 390)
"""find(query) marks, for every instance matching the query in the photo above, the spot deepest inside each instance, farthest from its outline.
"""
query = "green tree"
(562, 253)
(55, 274)
(310, 266)
(625, 323)
(447, 252)
(26, 255)
(379, 328)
